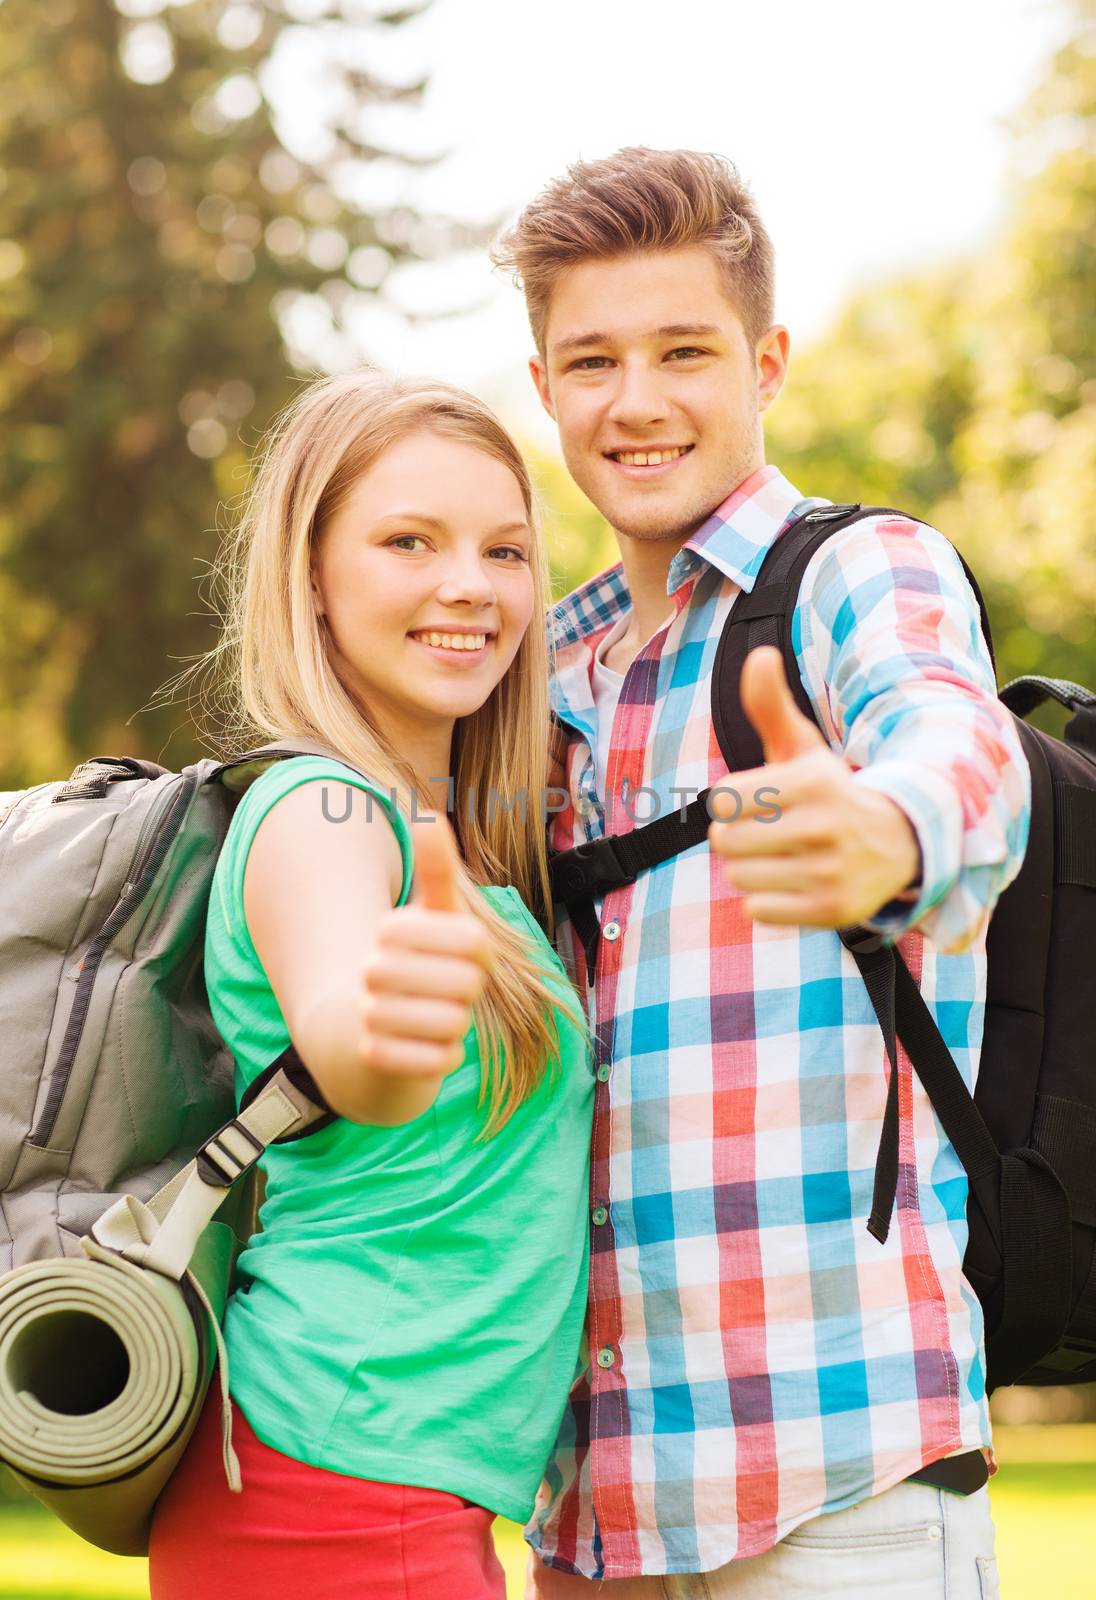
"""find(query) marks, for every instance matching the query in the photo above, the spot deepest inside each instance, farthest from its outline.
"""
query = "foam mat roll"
(103, 1370)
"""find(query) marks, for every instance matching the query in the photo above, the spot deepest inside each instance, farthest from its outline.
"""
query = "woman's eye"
(510, 552)
(403, 540)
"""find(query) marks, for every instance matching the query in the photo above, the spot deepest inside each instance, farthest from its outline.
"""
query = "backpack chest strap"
(590, 871)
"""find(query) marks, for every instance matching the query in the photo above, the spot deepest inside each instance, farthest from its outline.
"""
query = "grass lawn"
(1044, 1503)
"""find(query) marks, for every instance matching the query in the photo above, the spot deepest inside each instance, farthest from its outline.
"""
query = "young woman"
(409, 1317)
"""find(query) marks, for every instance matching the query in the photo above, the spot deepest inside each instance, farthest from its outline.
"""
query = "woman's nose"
(467, 581)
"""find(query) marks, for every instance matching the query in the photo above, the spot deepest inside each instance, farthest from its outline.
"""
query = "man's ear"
(772, 365)
(539, 374)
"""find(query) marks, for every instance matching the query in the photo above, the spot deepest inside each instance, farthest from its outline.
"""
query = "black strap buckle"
(830, 513)
(218, 1165)
(589, 871)
(860, 941)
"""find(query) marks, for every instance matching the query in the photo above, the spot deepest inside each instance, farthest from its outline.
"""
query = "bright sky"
(874, 135)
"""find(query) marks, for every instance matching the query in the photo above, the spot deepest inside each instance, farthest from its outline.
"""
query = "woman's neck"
(428, 751)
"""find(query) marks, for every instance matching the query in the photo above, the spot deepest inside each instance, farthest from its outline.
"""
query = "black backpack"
(1027, 1138)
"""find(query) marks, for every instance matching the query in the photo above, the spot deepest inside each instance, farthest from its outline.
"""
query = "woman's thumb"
(437, 863)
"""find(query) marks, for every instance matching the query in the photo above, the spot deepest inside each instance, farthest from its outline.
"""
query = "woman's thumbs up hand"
(425, 971)
(436, 864)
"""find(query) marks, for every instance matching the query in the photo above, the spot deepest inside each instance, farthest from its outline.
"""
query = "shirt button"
(603, 1071)
(599, 1216)
(605, 1357)
(936, 1532)
(611, 931)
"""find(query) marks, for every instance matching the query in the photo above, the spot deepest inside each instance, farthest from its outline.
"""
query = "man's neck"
(646, 564)
(646, 572)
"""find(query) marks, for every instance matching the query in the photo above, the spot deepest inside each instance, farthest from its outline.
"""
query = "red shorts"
(303, 1533)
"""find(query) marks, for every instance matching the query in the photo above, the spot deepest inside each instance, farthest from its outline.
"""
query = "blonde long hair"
(271, 676)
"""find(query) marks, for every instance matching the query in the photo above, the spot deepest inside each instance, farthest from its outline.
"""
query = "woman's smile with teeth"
(649, 458)
(452, 641)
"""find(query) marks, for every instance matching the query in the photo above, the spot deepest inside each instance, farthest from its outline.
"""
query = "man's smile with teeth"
(648, 458)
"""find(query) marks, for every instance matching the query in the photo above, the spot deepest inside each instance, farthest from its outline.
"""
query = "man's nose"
(639, 400)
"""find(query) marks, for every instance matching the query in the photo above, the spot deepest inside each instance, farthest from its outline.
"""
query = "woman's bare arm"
(376, 1000)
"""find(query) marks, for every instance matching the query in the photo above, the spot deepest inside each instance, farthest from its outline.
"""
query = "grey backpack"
(113, 1073)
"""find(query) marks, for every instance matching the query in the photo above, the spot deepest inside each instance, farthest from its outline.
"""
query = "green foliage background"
(158, 243)
(968, 395)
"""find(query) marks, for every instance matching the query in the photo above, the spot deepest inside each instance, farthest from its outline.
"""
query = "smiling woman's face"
(423, 575)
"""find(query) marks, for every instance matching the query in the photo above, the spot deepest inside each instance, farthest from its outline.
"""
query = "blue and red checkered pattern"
(755, 1356)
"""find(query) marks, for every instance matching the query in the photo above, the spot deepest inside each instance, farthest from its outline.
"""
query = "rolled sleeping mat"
(104, 1367)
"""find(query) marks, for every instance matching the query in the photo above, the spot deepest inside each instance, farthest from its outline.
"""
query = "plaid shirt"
(755, 1356)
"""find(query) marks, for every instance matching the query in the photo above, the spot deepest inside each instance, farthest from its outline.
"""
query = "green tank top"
(412, 1308)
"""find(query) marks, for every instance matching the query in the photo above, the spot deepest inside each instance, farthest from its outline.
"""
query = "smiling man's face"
(656, 388)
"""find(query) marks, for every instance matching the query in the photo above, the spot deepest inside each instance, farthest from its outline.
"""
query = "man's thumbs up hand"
(425, 971)
(803, 841)
(767, 700)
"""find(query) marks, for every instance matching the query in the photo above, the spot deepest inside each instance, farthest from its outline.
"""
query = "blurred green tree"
(168, 270)
(580, 541)
(968, 396)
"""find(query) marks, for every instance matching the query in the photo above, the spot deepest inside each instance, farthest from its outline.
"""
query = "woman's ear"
(317, 598)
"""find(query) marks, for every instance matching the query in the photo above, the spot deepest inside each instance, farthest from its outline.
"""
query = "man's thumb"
(767, 700)
(436, 863)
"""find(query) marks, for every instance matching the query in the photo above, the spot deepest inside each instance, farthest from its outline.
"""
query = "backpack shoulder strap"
(162, 1232)
(239, 772)
(764, 616)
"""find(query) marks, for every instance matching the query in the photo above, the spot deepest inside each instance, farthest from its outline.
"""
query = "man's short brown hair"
(635, 200)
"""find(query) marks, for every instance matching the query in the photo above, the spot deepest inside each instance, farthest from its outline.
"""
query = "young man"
(757, 1359)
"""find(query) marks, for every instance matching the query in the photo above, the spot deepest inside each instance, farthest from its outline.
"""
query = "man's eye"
(687, 352)
(589, 364)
